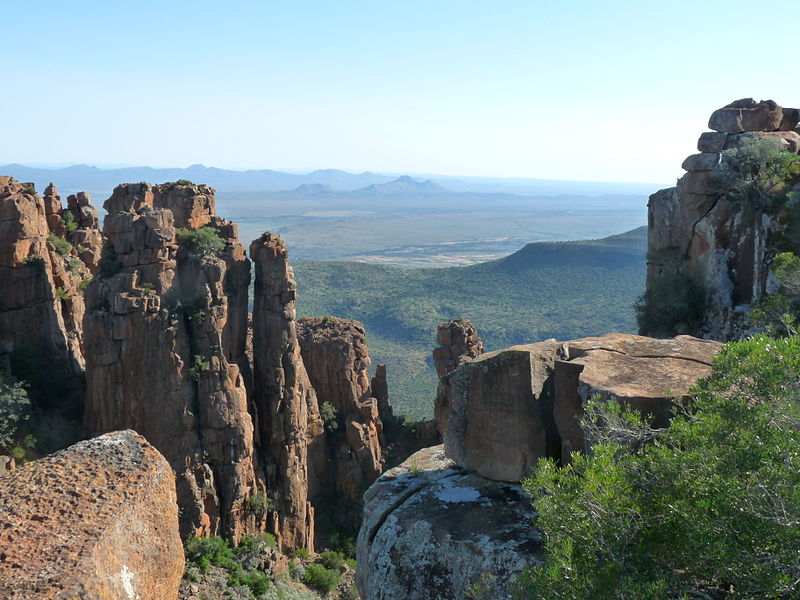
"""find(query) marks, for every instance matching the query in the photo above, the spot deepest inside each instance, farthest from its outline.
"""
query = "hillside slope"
(555, 289)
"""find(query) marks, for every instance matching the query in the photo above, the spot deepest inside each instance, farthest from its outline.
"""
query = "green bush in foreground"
(710, 509)
(14, 410)
(203, 242)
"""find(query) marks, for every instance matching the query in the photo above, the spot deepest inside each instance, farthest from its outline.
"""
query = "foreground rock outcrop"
(165, 333)
(699, 238)
(435, 530)
(47, 256)
(508, 409)
(453, 521)
(97, 520)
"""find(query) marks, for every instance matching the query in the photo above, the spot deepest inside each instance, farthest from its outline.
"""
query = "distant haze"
(591, 91)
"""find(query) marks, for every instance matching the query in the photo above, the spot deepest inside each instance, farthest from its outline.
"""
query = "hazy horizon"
(605, 91)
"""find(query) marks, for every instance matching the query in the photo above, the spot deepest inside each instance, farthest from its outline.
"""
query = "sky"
(574, 89)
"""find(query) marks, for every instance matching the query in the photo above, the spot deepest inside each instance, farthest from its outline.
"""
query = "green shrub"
(74, 265)
(333, 560)
(35, 261)
(61, 245)
(754, 175)
(199, 366)
(301, 553)
(709, 509)
(202, 242)
(330, 417)
(62, 294)
(672, 304)
(148, 289)
(183, 182)
(320, 578)
(84, 284)
(206, 551)
(259, 505)
(15, 407)
(69, 221)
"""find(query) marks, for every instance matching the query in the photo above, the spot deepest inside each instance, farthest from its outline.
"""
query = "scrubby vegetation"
(202, 242)
(253, 571)
(757, 175)
(563, 290)
(15, 409)
(709, 509)
(60, 244)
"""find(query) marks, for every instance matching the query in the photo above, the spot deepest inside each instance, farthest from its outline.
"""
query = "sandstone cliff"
(97, 520)
(47, 256)
(164, 333)
(337, 359)
(703, 242)
(285, 401)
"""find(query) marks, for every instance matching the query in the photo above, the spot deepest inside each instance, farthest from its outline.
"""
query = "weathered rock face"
(285, 401)
(97, 520)
(458, 343)
(336, 356)
(694, 232)
(165, 339)
(45, 262)
(434, 530)
(510, 408)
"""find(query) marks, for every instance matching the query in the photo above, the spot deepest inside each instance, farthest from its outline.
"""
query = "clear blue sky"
(586, 90)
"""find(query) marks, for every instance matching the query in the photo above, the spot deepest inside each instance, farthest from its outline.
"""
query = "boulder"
(434, 530)
(747, 115)
(500, 406)
(510, 408)
(97, 520)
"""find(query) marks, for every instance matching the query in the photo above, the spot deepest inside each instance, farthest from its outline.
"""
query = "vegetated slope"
(553, 289)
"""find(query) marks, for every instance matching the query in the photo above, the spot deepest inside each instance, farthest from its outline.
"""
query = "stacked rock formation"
(695, 232)
(165, 335)
(285, 400)
(507, 410)
(46, 258)
(336, 356)
(97, 520)
(458, 343)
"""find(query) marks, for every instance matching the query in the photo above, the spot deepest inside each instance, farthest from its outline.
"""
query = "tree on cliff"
(709, 509)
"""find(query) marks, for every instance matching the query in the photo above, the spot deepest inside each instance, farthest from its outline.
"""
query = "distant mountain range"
(102, 181)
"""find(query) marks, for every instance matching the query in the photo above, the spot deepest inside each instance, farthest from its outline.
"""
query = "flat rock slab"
(434, 530)
(98, 520)
(508, 409)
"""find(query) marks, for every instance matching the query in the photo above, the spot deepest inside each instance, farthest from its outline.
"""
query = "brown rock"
(712, 141)
(695, 233)
(41, 306)
(283, 391)
(458, 343)
(510, 408)
(498, 411)
(747, 115)
(701, 162)
(97, 520)
(175, 322)
(645, 374)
